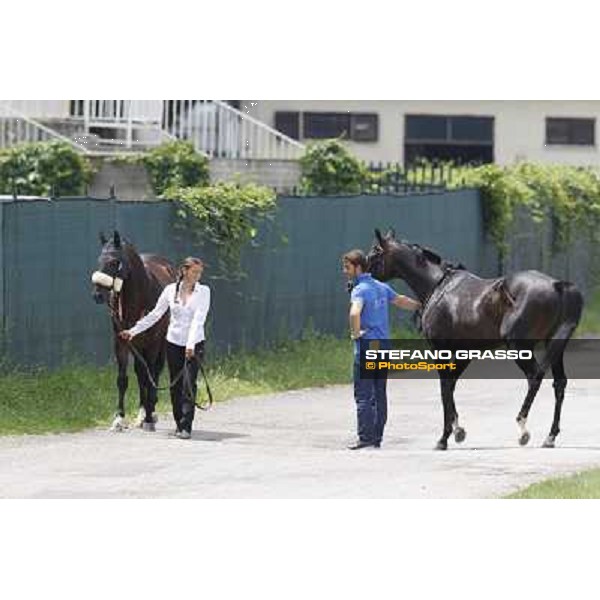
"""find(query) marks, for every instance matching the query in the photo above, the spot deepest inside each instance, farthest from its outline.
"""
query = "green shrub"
(226, 214)
(43, 168)
(175, 164)
(329, 168)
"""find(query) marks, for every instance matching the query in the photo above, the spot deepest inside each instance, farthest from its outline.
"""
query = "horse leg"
(448, 381)
(554, 356)
(158, 365)
(122, 356)
(459, 432)
(559, 385)
(534, 376)
(140, 376)
(145, 414)
(155, 369)
(447, 388)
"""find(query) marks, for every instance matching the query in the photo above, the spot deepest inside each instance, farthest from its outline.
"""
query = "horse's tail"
(571, 301)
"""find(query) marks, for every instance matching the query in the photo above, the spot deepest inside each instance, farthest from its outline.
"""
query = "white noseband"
(104, 280)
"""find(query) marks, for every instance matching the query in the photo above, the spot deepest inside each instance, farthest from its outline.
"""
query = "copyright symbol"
(370, 365)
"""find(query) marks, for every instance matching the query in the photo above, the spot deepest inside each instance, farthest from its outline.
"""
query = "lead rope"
(190, 388)
(182, 373)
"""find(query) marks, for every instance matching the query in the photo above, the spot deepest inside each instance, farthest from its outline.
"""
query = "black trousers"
(183, 405)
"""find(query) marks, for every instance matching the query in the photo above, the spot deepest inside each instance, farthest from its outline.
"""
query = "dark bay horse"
(130, 284)
(463, 311)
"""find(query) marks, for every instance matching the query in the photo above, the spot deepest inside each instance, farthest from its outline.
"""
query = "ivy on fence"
(568, 196)
(226, 214)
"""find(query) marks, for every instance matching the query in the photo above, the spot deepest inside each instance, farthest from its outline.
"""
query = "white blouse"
(186, 325)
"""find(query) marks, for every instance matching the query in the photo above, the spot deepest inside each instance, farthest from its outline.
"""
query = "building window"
(288, 123)
(358, 127)
(424, 127)
(364, 127)
(323, 125)
(472, 129)
(574, 132)
(460, 139)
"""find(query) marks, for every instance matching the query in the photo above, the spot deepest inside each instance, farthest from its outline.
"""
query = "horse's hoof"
(119, 424)
(524, 439)
(459, 435)
(548, 442)
(441, 445)
(141, 417)
(148, 426)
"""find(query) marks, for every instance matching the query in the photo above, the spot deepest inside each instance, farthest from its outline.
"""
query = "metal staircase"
(110, 126)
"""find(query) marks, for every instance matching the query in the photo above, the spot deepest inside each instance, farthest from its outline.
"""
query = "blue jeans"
(371, 404)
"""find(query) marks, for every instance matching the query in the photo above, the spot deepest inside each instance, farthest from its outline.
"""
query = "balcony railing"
(214, 127)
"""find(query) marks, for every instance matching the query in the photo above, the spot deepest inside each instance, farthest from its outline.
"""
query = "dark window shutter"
(365, 127)
(288, 123)
(579, 132)
(426, 127)
(324, 125)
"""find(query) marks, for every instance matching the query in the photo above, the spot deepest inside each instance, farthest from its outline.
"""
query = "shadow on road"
(215, 436)
(523, 448)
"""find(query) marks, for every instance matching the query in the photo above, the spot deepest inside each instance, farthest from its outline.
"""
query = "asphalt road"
(292, 445)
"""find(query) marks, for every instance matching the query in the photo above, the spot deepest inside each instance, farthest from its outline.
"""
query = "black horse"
(461, 310)
(130, 284)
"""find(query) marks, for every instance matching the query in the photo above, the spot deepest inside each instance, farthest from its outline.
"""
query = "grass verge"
(582, 485)
(77, 397)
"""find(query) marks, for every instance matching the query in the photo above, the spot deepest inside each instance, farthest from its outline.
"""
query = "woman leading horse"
(189, 303)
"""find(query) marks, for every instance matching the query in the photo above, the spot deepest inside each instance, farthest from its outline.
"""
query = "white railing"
(17, 128)
(138, 120)
(215, 128)
(221, 131)
(143, 112)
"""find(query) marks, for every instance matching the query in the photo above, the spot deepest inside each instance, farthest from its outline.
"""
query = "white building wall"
(50, 109)
(519, 125)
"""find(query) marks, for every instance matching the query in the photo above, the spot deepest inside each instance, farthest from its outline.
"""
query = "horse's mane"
(435, 258)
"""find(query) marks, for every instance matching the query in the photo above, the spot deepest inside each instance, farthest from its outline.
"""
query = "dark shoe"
(376, 444)
(358, 444)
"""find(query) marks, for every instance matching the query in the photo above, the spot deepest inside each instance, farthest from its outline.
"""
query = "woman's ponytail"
(179, 280)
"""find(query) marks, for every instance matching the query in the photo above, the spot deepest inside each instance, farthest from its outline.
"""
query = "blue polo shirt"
(375, 297)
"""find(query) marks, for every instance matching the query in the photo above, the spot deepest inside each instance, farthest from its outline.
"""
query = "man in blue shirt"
(369, 320)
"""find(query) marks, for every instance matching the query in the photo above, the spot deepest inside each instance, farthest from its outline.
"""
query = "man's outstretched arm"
(405, 302)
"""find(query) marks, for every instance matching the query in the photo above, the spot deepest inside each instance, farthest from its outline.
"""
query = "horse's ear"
(117, 239)
(103, 239)
(380, 239)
